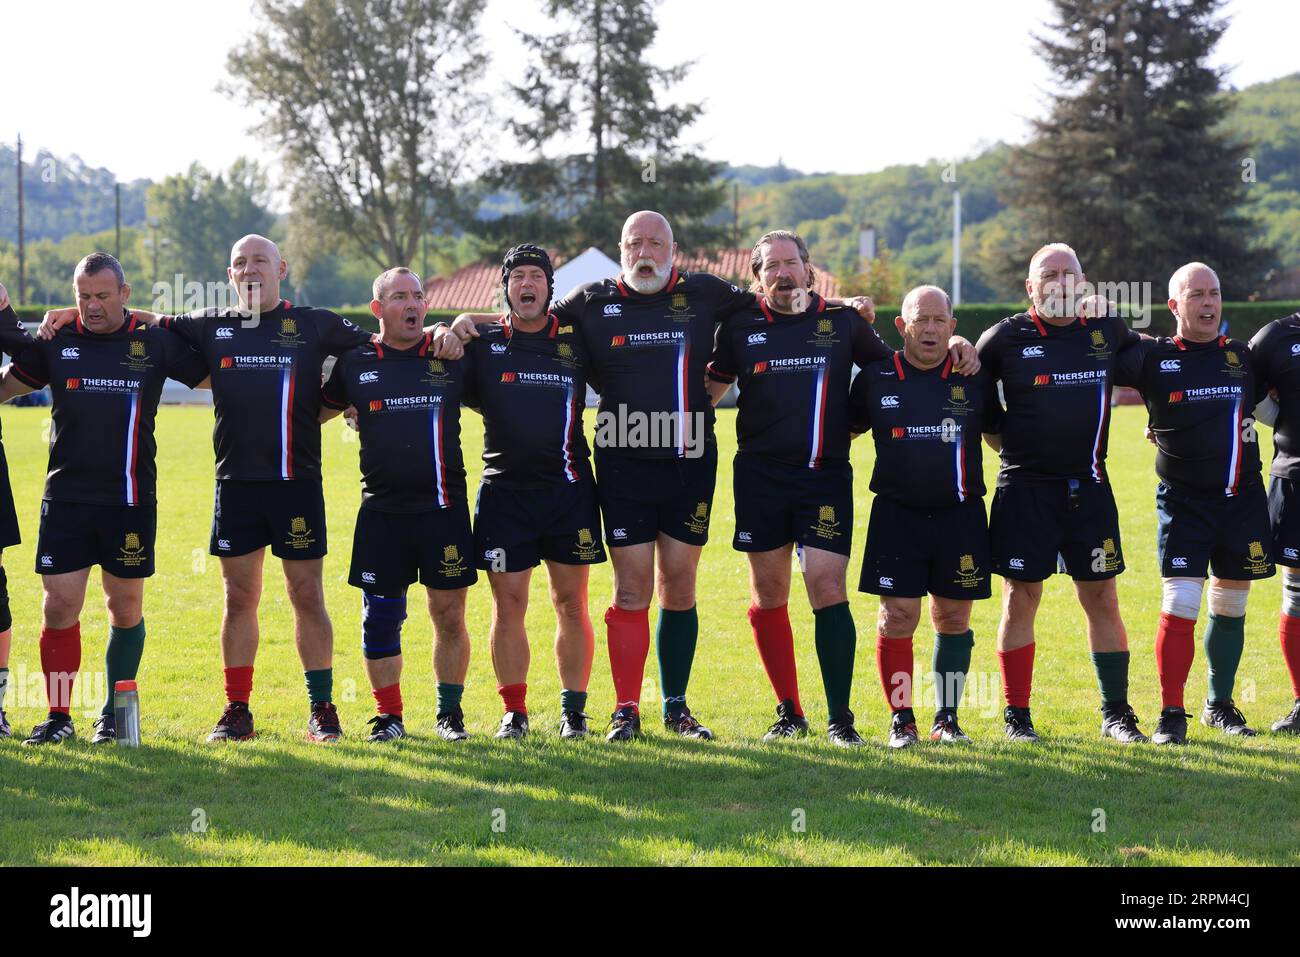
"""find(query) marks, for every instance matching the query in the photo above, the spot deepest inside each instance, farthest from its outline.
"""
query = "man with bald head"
(265, 356)
(1053, 503)
(928, 533)
(1201, 389)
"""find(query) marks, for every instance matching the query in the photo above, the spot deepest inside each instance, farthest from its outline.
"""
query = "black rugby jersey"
(647, 353)
(1276, 350)
(794, 373)
(105, 389)
(926, 425)
(13, 337)
(1200, 397)
(531, 389)
(266, 385)
(1056, 382)
(408, 414)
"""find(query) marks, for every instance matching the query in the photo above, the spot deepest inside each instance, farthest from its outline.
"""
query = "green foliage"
(63, 196)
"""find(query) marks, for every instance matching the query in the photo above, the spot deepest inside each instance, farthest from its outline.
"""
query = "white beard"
(651, 284)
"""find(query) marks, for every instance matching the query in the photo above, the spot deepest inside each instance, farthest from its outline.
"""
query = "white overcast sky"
(851, 86)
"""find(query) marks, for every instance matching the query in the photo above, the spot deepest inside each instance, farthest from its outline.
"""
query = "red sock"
(894, 662)
(1175, 649)
(775, 642)
(239, 683)
(628, 635)
(388, 700)
(1289, 632)
(60, 660)
(1017, 666)
(514, 696)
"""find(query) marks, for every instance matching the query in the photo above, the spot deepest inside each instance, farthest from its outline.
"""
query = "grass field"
(735, 801)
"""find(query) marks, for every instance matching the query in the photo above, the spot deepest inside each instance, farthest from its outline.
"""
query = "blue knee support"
(381, 625)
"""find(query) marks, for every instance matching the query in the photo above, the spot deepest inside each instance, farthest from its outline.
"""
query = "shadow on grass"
(661, 800)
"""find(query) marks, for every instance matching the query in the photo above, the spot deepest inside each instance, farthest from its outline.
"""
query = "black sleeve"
(1129, 361)
(568, 311)
(30, 365)
(1125, 335)
(992, 412)
(722, 365)
(13, 337)
(859, 407)
(338, 335)
(728, 298)
(334, 393)
(1261, 355)
(988, 348)
(1258, 373)
(183, 363)
(189, 327)
(469, 384)
(868, 347)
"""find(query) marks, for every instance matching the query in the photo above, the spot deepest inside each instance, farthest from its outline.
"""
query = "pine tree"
(1129, 167)
(590, 80)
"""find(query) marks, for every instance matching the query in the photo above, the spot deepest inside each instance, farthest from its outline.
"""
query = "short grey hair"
(1179, 279)
(98, 262)
(1053, 248)
(918, 292)
(381, 282)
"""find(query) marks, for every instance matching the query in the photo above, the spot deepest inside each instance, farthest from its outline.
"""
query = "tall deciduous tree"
(590, 80)
(1128, 166)
(375, 110)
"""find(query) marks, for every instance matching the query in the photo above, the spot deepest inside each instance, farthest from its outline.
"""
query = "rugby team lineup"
(662, 347)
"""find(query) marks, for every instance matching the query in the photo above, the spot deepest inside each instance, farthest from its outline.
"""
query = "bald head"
(926, 325)
(646, 251)
(1196, 301)
(256, 270)
(926, 300)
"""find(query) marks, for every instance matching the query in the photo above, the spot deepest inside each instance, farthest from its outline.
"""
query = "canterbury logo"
(225, 332)
(1175, 397)
(1295, 349)
(1042, 379)
(889, 402)
(1170, 365)
(613, 309)
(1032, 352)
(72, 353)
(757, 338)
(368, 377)
(498, 347)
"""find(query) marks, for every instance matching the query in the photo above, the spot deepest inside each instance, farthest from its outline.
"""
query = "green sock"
(1224, 639)
(675, 642)
(836, 639)
(950, 664)
(449, 697)
(122, 657)
(1112, 675)
(4, 686)
(573, 700)
(320, 685)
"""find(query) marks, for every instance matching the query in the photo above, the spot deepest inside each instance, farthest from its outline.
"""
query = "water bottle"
(126, 707)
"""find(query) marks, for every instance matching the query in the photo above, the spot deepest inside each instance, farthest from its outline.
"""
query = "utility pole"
(22, 276)
(956, 247)
(117, 221)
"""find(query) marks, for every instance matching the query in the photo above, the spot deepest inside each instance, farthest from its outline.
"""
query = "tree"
(590, 80)
(375, 106)
(200, 214)
(1129, 166)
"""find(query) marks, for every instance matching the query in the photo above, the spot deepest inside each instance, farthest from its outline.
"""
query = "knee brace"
(1228, 602)
(6, 620)
(1291, 592)
(381, 625)
(1181, 597)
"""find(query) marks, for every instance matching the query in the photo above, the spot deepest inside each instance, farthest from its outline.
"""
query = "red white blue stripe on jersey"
(435, 447)
(1234, 459)
(1103, 414)
(818, 442)
(683, 395)
(571, 418)
(132, 448)
(286, 423)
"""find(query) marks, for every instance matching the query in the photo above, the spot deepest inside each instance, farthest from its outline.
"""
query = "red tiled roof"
(478, 286)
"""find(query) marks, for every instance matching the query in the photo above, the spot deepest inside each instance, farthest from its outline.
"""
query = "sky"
(845, 87)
